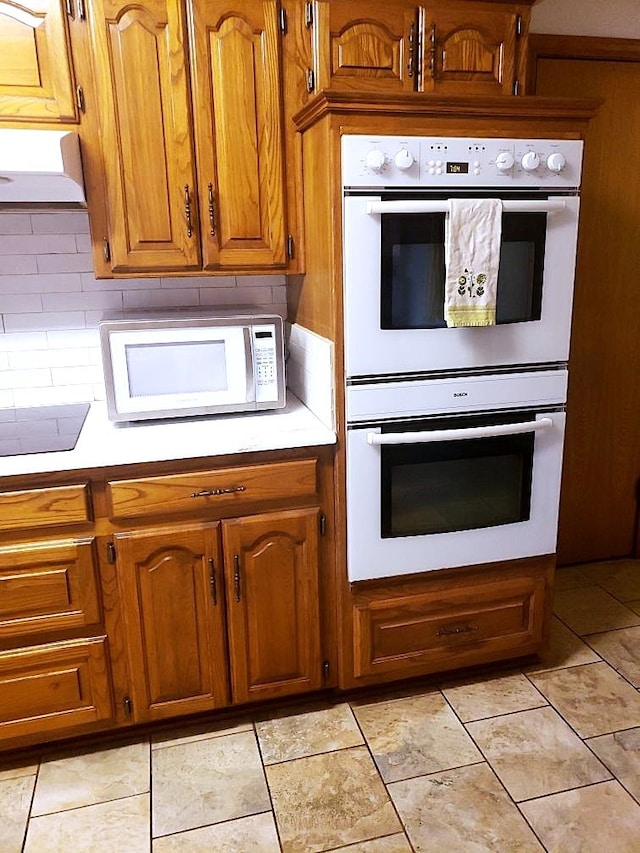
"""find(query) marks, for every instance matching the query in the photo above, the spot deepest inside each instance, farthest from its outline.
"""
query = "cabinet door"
(469, 49)
(271, 568)
(35, 72)
(239, 134)
(366, 45)
(140, 66)
(173, 605)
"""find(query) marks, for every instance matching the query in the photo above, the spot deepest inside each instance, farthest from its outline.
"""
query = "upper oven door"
(394, 276)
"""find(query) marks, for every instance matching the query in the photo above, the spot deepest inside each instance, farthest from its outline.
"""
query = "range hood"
(39, 166)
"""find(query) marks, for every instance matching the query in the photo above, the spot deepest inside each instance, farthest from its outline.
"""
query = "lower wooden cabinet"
(186, 601)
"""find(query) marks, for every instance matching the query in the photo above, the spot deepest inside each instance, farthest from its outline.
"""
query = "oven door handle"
(375, 438)
(521, 205)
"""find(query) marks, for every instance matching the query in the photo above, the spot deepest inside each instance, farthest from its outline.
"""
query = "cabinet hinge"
(323, 524)
(308, 14)
(111, 552)
(127, 704)
(516, 87)
(80, 99)
(106, 250)
(69, 8)
(291, 246)
(325, 669)
(283, 21)
(82, 14)
(311, 80)
(518, 26)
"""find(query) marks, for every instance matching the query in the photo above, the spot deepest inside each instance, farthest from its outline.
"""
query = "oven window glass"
(413, 269)
(446, 486)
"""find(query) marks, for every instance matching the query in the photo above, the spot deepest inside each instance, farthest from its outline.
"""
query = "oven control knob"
(504, 161)
(375, 160)
(403, 159)
(556, 162)
(530, 161)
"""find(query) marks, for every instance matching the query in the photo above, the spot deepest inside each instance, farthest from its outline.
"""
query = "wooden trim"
(542, 46)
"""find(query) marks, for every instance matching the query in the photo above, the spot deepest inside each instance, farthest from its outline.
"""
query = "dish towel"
(472, 257)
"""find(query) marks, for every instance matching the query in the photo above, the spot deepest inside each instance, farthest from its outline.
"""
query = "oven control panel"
(456, 162)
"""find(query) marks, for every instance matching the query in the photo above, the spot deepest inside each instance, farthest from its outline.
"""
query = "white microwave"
(192, 363)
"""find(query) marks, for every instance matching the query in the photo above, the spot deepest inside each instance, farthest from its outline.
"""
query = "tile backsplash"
(50, 305)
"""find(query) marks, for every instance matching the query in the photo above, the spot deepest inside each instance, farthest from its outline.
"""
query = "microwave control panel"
(265, 362)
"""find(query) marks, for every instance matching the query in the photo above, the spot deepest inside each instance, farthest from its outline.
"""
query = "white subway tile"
(14, 303)
(73, 338)
(33, 244)
(53, 395)
(44, 321)
(230, 296)
(4, 361)
(50, 358)
(23, 341)
(75, 375)
(6, 400)
(18, 264)
(110, 300)
(44, 283)
(259, 280)
(91, 283)
(15, 223)
(140, 299)
(60, 222)
(38, 378)
(83, 243)
(201, 281)
(64, 263)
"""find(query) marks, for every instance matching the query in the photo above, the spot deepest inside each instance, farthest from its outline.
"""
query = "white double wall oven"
(454, 435)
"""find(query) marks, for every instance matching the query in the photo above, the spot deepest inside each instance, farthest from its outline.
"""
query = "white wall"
(612, 18)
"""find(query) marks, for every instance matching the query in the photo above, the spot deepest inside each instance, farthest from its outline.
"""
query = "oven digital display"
(457, 168)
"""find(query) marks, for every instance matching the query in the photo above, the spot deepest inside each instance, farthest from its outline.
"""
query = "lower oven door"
(452, 491)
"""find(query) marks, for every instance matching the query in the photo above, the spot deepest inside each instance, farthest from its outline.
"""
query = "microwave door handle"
(428, 436)
(250, 372)
(521, 205)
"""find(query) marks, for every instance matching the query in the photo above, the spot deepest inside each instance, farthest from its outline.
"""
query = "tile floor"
(546, 757)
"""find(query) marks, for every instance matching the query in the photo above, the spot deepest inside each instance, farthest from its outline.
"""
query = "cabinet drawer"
(212, 490)
(431, 629)
(53, 687)
(47, 587)
(45, 507)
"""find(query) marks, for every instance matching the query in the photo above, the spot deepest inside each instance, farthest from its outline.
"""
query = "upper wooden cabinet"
(191, 135)
(36, 80)
(453, 47)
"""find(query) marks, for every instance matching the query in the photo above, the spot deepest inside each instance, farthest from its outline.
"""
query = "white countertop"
(102, 443)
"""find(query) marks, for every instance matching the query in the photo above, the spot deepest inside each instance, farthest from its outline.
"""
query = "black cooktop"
(41, 429)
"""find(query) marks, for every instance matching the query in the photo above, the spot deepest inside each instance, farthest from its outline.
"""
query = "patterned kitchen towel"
(472, 253)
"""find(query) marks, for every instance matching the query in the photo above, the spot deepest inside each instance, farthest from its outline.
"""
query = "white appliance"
(40, 166)
(396, 193)
(192, 363)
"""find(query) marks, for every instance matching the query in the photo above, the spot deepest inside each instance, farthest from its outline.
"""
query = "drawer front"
(45, 507)
(433, 631)
(53, 687)
(212, 490)
(47, 587)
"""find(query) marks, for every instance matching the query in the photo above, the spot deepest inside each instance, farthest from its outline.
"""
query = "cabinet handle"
(432, 51)
(127, 704)
(82, 14)
(187, 210)
(212, 212)
(411, 39)
(212, 580)
(206, 493)
(236, 577)
(458, 629)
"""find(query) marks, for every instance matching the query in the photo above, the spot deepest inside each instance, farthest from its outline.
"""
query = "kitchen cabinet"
(36, 76)
(189, 138)
(460, 47)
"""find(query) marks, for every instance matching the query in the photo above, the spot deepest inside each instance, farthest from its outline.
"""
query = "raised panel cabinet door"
(170, 585)
(236, 56)
(141, 79)
(36, 81)
(370, 46)
(272, 575)
(469, 49)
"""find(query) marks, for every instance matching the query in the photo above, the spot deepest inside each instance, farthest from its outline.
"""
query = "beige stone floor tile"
(14, 768)
(593, 699)
(592, 609)
(15, 801)
(199, 731)
(621, 753)
(92, 777)
(207, 781)
(476, 700)
(330, 800)
(570, 577)
(120, 826)
(253, 834)
(415, 735)
(633, 605)
(390, 844)
(621, 578)
(535, 753)
(622, 650)
(465, 810)
(565, 649)
(298, 735)
(587, 820)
